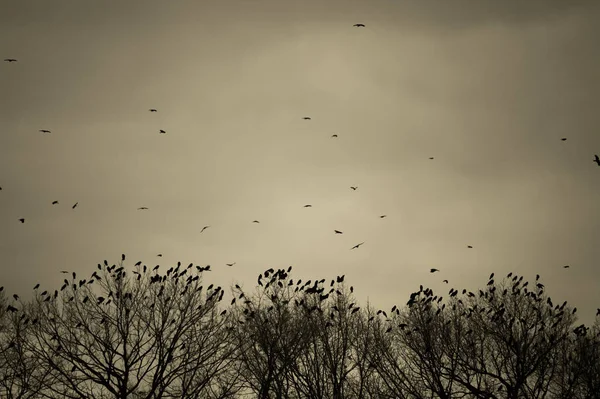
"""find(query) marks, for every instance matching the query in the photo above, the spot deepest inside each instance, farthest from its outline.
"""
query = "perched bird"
(357, 245)
(230, 264)
(162, 131)
(204, 228)
(564, 139)
(359, 25)
(308, 206)
(152, 110)
(74, 206)
(255, 221)
(54, 202)
(337, 232)
(45, 131)
(434, 270)
(306, 118)
(22, 220)
(142, 208)
(334, 135)
(597, 159)
(10, 60)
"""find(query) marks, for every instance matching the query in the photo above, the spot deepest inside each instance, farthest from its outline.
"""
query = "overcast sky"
(487, 88)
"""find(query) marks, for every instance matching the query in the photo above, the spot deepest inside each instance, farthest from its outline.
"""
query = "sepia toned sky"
(487, 88)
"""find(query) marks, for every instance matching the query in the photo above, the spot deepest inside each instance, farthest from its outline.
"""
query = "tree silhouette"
(141, 334)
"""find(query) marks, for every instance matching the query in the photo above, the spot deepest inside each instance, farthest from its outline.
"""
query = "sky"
(487, 88)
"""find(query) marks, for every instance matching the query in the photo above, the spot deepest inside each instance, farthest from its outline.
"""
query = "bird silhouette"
(36, 286)
(354, 187)
(359, 25)
(142, 208)
(357, 245)
(445, 281)
(54, 202)
(152, 110)
(337, 232)
(10, 60)
(22, 220)
(230, 264)
(307, 118)
(308, 206)
(383, 216)
(204, 228)
(597, 159)
(255, 221)
(564, 139)
(159, 255)
(434, 270)
(334, 135)
(430, 157)
(75, 206)
(469, 246)
(45, 131)
(162, 131)
(566, 267)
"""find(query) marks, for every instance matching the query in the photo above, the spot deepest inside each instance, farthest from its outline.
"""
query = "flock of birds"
(307, 118)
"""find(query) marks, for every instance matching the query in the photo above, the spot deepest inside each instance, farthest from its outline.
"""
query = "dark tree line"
(142, 334)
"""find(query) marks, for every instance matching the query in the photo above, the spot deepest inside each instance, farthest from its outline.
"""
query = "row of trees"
(141, 334)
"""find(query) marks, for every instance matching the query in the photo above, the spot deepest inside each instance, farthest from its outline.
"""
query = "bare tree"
(155, 336)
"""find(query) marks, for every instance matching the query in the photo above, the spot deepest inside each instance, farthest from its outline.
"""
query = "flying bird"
(64, 272)
(357, 245)
(142, 208)
(359, 25)
(354, 187)
(230, 264)
(10, 60)
(152, 110)
(383, 216)
(597, 159)
(434, 270)
(337, 232)
(564, 139)
(54, 202)
(469, 246)
(204, 228)
(22, 220)
(445, 281)
(566, 267)
(430, 157)
(45, 131)
(162, 131)
(308, 206)
(255, 221)
(159, 255)
(74, 206)
(334, 135)
(306, 118)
